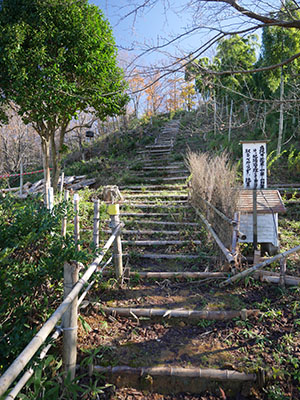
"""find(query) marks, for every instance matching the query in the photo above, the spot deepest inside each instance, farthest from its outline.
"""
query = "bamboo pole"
(25, 356)
(69, 320)
(235, 233)
(209, 373)
(28, 374)
(271, 277)
(50, 199)
(64, 221)
(114, 212)
(171, 256)
(222, 215)
(160, 242)
(149, 222)
(259, 266)
(146, 232)
(76, 221)
(96, 224)
(191, 314)
(167, 275)
(225, 251)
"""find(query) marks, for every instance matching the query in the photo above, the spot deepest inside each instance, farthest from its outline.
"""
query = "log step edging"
(184, 274)
(160, 242)
(159, 195)
(149, 222)
(149, 214)
(156, 256)
(201, 373)
(220, 315)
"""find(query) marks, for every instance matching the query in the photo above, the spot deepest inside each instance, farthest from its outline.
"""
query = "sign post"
(255, 174)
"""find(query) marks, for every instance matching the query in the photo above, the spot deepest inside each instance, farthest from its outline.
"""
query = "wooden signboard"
(255, 164)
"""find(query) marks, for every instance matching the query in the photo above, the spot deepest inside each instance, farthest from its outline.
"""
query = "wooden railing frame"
(29, 351)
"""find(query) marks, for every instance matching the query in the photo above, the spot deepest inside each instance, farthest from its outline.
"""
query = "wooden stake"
(76, 221)
(69, 320)
(64, 222)
(282, 271)
(96, 224)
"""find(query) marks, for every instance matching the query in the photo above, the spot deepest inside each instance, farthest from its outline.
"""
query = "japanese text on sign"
(255, 165)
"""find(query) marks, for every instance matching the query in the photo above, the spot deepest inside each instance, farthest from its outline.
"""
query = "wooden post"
(69, 320)
(113, 211)
(254, 219)
(64, 222)
(76, 221)
(282, 272)
(21, 177)
(96, 224)
(61, 186)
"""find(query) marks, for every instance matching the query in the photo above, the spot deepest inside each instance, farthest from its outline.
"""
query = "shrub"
(213, 178)
(32, 254)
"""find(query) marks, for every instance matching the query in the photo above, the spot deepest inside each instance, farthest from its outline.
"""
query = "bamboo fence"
(256, 267)
(26, 355)
(228, 255)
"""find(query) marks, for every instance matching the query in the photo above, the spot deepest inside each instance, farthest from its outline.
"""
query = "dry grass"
(214, 180)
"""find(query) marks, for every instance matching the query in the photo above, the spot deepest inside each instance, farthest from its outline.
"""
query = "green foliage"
(294, 160)
(32, 254)
(58, 58)
(278, 45)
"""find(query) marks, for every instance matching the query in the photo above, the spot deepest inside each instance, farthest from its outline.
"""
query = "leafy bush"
(32, 254)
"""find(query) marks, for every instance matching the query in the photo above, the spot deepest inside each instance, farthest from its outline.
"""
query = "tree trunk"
(280, 131)
(57, 155)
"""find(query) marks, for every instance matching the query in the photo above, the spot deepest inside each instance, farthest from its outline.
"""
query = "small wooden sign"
(255, 164)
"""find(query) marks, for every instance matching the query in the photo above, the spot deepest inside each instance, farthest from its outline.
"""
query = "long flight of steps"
(160, 332)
